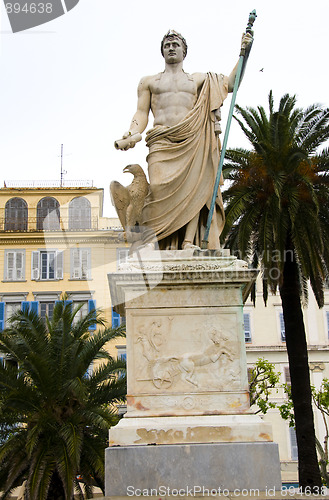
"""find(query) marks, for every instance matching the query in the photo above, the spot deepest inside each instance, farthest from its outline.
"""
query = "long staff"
(252, 17)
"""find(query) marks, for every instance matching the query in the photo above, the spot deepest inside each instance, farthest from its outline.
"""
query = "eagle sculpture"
(129, 201)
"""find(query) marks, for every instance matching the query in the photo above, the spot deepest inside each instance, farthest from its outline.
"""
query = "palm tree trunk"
(308, 467)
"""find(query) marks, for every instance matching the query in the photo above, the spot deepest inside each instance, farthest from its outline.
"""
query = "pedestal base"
(162, 470)
(190, 429)
(187, 423)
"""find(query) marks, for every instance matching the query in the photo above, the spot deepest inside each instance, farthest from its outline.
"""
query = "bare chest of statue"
(172, 97)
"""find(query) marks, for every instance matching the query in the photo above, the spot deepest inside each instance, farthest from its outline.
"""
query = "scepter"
(251, 20)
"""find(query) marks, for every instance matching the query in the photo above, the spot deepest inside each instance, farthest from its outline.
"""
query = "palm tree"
(277, 217)
(59, 410)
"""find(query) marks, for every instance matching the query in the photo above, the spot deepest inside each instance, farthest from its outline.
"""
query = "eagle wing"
(138, 190)
(120, 198)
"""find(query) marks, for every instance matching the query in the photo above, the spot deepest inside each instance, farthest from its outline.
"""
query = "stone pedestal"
(192, 470)
(187, 376)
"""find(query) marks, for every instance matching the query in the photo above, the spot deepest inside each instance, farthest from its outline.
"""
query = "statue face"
(173, 51)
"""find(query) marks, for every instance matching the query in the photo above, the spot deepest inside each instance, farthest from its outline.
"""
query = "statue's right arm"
(140, 118)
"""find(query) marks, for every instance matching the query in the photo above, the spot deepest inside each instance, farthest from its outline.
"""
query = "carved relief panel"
(186, 351)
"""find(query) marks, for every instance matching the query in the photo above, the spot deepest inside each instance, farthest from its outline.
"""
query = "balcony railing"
(49, 184)
(30, 224)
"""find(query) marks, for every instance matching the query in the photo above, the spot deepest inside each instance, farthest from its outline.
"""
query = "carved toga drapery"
(182, 164)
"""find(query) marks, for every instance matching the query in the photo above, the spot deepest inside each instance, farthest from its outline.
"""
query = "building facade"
(55, 242)
(265, 338)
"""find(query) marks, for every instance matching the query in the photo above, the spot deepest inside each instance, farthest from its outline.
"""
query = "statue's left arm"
(246, 44)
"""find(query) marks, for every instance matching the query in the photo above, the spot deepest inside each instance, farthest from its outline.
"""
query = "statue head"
(172, 34)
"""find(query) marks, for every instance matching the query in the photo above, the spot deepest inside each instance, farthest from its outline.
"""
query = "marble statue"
(183, 147)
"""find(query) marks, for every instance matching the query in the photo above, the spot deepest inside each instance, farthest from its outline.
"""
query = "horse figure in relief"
(163, 369)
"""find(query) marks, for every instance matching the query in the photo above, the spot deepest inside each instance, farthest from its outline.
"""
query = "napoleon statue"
(184, 148)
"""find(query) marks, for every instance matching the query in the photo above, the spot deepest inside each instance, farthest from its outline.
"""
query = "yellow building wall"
(266, 343)
(103, 239)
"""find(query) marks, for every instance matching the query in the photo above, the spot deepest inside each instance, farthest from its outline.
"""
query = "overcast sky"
(74, 79)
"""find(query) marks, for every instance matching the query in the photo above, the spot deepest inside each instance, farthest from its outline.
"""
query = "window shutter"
(327, 314)
(122, 354)
(89, 264)
(89, 372)
(246, 326)
(80, 263)
(75, 263)
(122, 255)
(10, 267)
(2, 316)
(115, 319)
(19, 265)
(92, 307)
(14, 265)
(57, 302)
(282, 328)
(293, 443)
(35, 271)
(69, 303)
(25, 306)
(287, 375)
(51, 306)
(85, 263)
(34, 306)
(43, 309)
(59, 265)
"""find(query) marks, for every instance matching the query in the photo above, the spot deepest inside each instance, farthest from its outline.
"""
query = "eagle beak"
(126, 169)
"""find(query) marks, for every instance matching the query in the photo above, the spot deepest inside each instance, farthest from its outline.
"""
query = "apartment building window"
(47, 310)
(87, 307)
(87, 304)
(117, 319)
(247, 327)
(79, 214)
(45, 301)
(10, 309)
(47, 265)
(2, 316)
(11, 303)
(122, 355)
(121, 352)
(122, 255)
(14, 265)
(83, 310)
(48, 214)
(7, 309)
(287, 378)
(81, 263)
(293, 443)
(16, 215)
(282, 327)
